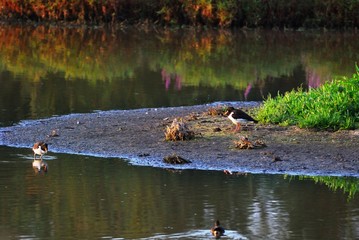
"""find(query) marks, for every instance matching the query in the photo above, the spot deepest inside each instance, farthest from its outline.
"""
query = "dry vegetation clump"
(217, 111)
(178, 131)
(175, 159)
(192, 117)
(245, 143)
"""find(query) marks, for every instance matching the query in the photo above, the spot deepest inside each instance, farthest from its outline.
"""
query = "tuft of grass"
(333, 106)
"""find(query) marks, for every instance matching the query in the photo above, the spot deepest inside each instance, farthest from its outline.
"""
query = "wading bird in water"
(39, 148)
(237, 117)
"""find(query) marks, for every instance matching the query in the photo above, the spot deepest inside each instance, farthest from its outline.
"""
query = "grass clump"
(333, 106)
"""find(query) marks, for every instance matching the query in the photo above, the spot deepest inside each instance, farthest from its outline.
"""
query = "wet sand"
(138, 136)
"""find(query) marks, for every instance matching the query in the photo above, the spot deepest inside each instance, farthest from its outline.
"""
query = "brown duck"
(217, 231)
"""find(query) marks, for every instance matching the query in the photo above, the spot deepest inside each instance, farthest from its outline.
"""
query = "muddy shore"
(138, 136)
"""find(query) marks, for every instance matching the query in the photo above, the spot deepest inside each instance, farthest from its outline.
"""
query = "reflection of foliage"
(72, 51)
(104, 68)
(349, 186)
(126, 201)
(211, 58)
(220, 60)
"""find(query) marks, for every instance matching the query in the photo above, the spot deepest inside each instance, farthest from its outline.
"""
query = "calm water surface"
(48, 71)
(91, 198)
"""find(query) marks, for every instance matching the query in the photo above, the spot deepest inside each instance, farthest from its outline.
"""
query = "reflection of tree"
(60, 70)
(86, 198)
(168, 77)
(211, 58)
(349, 186)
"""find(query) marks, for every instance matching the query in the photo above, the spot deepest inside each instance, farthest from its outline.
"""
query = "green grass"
(333, 106)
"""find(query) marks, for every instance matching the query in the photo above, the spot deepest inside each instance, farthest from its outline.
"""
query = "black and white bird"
(217, 231)
(39, 148)
(237, 117)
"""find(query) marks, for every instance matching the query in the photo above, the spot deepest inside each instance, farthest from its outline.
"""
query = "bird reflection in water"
(39, 166)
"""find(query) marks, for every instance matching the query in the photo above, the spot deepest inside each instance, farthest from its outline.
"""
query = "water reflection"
(39, 166)
(86, 198)
(52, 70)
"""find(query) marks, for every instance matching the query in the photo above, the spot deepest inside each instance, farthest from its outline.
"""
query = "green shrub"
(333, 106)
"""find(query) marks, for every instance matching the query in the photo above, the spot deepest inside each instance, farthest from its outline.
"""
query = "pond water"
(84, 197)
(48, 71)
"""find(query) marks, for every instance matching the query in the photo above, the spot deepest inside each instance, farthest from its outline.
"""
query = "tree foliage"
(227, 13)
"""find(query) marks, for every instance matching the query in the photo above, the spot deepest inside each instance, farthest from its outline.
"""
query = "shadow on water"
(47, 71)
(85, 197)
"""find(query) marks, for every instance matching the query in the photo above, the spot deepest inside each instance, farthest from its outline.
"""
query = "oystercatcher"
(217, 231)
(39, 148)
(237, 116)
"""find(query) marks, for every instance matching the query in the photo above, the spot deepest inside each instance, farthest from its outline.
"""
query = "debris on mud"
(175, 159)
(54, 133)
(192, 117)
(217, 129)
(178, 131)
(217, 111)
(229, 172)
(245, 143)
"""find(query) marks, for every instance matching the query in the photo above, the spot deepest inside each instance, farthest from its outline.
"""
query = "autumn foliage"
(226, 13)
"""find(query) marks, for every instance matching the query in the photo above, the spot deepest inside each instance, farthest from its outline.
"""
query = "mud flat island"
(138, 136)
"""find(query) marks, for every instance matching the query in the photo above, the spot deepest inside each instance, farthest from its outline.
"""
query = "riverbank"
(138, 136)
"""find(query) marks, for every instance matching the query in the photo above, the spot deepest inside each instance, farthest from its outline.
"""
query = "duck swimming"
(217, 231)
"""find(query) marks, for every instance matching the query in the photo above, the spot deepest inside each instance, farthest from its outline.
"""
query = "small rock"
(217, 129)
(277, 159)
(143, 154)
(53, 133)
